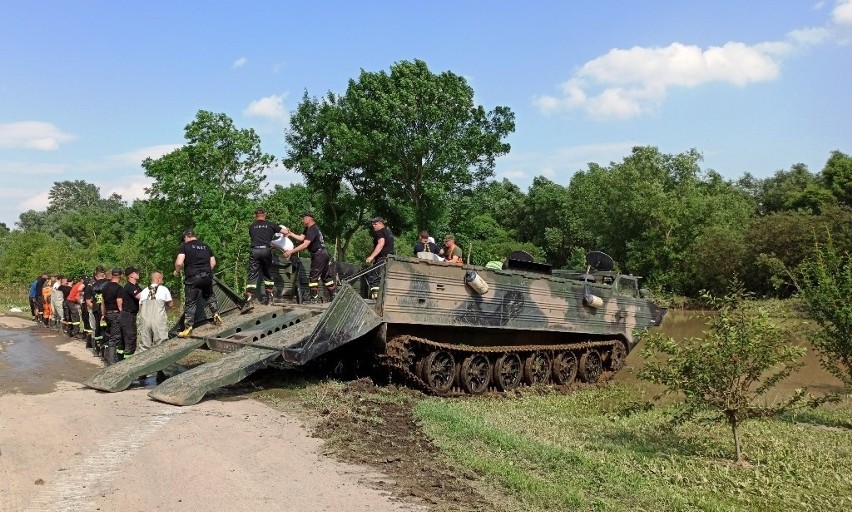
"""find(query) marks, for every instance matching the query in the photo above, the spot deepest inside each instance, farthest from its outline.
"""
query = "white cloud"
(842, 13)
(136, 156)
(271, 107)
(239, 62)
(514, 174)
(628, 83)
(810, 36)
(560, 164)
(27, 168)
(39, 201)
(32, 135)
(132, 187)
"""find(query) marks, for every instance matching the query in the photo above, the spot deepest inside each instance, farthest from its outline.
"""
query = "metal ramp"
(189, 387)
(348, 318)
(119, 376)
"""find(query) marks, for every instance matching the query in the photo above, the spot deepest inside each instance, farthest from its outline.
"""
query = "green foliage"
(837, 174)
(826, 289)
(395, 144)
(211, 184)
(739, 360)
(785, 240)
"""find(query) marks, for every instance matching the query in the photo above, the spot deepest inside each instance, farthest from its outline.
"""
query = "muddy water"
(31, 361)
(686, 324)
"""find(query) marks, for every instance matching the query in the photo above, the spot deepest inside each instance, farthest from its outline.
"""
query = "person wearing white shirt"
(153, 322)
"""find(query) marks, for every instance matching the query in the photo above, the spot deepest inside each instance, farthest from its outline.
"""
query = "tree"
(795, 189)
(395, 144)
(837, 174)
(67, 196)
(210, 184)
(741, 358)
(826, 288)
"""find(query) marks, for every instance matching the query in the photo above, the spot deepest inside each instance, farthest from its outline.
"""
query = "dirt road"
(66, 447)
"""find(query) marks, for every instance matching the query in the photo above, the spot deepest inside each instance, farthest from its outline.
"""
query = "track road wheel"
(564, 368)
(508, 372)
(438, 371)
(537, 368)
(617, 356)
(590, 366)
(475, 374)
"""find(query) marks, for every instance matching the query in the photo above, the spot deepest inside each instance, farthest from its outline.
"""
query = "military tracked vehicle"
(444, 328)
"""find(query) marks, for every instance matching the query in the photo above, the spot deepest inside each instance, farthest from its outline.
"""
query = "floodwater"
(681, 325)
(32, 362)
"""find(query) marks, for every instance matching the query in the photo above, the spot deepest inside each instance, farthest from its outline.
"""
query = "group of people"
(112, 316)
(263, 238)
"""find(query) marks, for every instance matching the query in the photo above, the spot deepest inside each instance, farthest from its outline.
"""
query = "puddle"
(32, 362)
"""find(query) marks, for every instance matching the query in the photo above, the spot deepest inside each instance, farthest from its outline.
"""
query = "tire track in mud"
(75, 489)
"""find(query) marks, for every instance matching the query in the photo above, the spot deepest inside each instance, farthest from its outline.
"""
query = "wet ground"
(33, 359)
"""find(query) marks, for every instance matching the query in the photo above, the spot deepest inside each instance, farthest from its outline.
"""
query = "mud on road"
(67, 447)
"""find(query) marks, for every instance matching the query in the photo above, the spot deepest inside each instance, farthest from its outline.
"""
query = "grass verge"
(602, 449)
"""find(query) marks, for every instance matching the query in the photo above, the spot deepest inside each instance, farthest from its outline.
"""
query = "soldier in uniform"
(382, 246)
(312, 240)
(261, 232)
(111, 312)
(94, 301)
(197, 259)
(130, 295)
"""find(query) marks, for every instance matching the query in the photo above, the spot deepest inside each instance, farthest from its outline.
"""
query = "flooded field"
(686, 324)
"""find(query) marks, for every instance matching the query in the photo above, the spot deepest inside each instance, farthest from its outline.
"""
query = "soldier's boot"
(110, 354)
(185, 333)
(315, 295)
(330, 288)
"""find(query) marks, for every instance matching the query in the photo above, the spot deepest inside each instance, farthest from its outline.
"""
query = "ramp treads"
(189, 387)
(119, 376)
(268, 325)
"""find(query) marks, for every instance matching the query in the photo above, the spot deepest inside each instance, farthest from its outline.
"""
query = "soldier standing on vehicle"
(130, 295)
(261, 232)
(153, 321)
(312, 240)
(197, 259)
(382, 246)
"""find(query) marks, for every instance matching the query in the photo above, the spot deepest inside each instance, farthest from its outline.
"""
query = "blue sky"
(89, 89)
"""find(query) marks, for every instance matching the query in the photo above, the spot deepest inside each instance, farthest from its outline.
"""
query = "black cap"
(309, 213)
(377, 219)
(130, 270)
(259, 211)
(116, 271)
